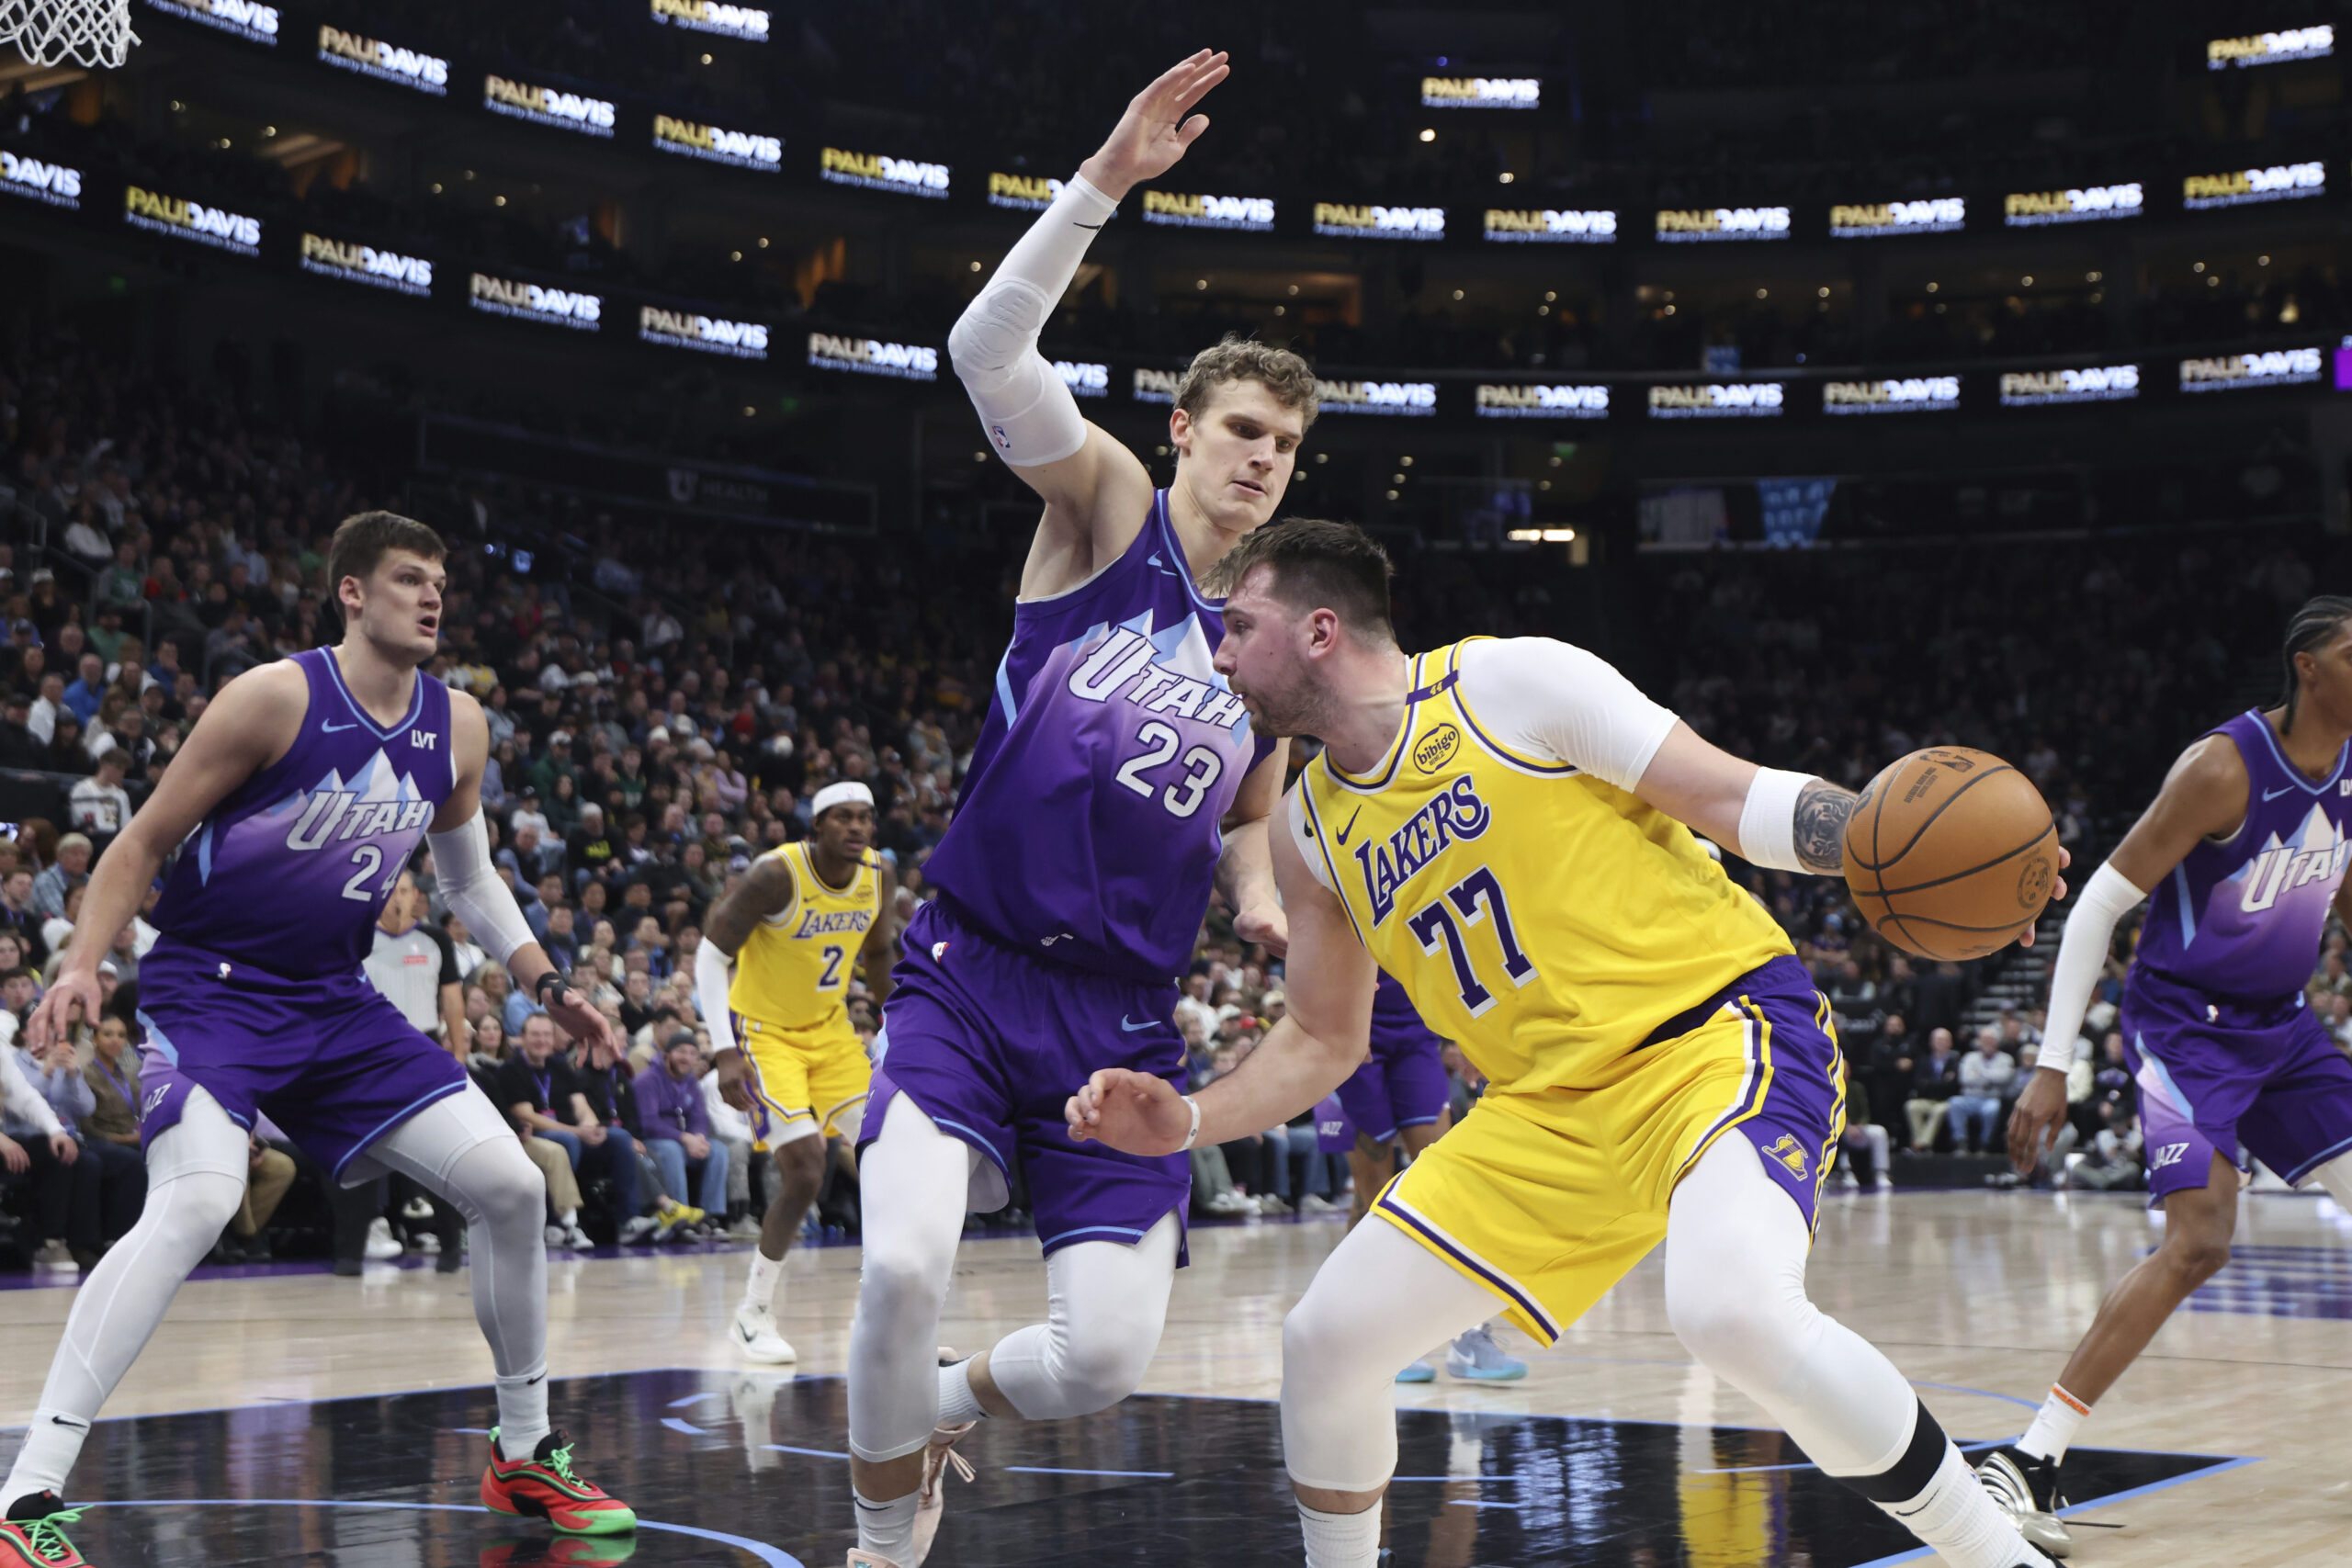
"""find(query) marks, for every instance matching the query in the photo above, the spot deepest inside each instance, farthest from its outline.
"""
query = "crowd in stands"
(663, 704)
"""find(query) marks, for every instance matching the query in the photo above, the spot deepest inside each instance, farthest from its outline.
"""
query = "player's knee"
(507, 1191)
(1316, 1334)
(1745, 1335)
(801, 1162)
(2196, 1255)
(200, 1201)
(894, 1275)
(1103, 1364)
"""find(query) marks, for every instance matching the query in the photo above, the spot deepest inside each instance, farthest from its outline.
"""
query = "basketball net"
(94, 33)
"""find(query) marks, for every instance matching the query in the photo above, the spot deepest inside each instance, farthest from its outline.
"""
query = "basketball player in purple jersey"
(2241, 856)
(295, 804)
(1114, 780)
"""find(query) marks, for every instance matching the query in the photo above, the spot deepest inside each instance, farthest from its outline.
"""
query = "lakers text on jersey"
(790, 1002)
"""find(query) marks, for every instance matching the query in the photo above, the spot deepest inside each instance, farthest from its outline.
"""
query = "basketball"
(1950, 853)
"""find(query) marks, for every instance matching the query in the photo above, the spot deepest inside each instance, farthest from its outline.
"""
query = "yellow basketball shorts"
(803, 1080)
(1549, 1199)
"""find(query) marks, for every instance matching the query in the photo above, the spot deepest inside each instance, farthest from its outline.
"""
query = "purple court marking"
(677, 1425)
(813, 1453)
(772, 1556)
(702, 1398)
(2221, 1463)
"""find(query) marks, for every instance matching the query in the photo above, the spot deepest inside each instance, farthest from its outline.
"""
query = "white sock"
(522, 1412)
(759, 1290)
(1956, 1516)
(2054, 1427)
(52, 1443)
(957, 1402)
(887, 1529)
(567, 1219)
(1341, 1541)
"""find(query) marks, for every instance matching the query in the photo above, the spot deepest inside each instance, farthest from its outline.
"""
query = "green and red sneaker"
(543, 1487)
(33, 1535)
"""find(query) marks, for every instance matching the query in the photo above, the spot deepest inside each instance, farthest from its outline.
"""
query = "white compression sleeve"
(1767, 822)
(2106, 898)
(710, 995)
(1030, 416)
(470, 885)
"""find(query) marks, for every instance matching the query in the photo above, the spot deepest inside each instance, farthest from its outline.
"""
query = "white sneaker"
(577, 1239)
(744, 1229)
(381, 1247)
(53, 1254)
(1882, 1182)
(555, 1235)
(638, 1229)
(755, 1338)
(417, 1208)
(931, 1502)
(1312, 1204)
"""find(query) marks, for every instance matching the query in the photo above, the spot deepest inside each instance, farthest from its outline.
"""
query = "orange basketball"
(1950, 853)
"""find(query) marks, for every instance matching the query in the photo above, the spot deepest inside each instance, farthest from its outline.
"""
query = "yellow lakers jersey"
(793, 971)
(1543, 918)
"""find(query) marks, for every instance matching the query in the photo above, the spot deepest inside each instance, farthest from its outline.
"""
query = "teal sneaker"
(1475, 1355)
(1420, 1371)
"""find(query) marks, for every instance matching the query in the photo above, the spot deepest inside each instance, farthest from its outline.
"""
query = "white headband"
(846, 793)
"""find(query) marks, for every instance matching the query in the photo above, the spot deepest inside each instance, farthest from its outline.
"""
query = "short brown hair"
(1317, 564)
(366, 538)
(1237, 358)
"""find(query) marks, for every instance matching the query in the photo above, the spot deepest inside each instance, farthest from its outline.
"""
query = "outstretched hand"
(1158, 126)
(580, 1021)
(2065, 859)
(1135, 1114)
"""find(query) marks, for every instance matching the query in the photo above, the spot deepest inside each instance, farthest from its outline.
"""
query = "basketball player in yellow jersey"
(1501, 826)
(794, 926)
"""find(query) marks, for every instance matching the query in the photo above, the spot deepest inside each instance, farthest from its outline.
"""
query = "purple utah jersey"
(1088, 825)
(2243, 917)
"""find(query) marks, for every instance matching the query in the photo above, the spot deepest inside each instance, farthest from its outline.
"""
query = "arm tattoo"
(1822, 811)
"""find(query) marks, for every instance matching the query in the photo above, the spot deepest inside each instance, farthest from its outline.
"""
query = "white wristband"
(1195, 1133)
(1767, 822)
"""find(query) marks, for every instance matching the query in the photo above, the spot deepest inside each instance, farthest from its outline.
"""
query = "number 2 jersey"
(291, 871)
(792, 972)
(1087, 830)
(1498, 863)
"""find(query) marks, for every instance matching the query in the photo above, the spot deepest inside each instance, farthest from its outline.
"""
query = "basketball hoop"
(94, 33)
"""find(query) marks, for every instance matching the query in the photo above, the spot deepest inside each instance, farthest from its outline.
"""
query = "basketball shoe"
(543, 1487)
(1419, 1371)
(33, 1535)
(1477, 1357)
(2026, 1489)
(931, 1502)
(755, 1336)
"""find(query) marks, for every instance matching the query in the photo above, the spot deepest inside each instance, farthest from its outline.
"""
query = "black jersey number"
(1446, 920)
(1201, 764)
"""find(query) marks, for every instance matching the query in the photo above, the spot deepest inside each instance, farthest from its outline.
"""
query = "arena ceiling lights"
(2271, 48)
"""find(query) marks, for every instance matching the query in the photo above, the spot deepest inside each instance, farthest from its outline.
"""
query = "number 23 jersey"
(1089, 823)
(1498, 862)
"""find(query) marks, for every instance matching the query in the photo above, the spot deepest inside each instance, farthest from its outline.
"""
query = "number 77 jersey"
(1497, 861)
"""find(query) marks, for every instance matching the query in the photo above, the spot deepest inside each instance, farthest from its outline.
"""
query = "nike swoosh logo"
(325, 728)
(1350, 828)
(2275, 793)
(541, 1378)
(1131, 1027)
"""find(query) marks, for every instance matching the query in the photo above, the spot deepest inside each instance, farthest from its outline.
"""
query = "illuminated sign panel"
(347, 263)
(708, 17)
(1482, 92)
(52, 185)
(2093, 383)
(1699, 224)
(2030, 210)
(872, 171)
(1156, 386)
(1756, 399)
(738, 148)
(2271, 48)
(1543, 226)
(1252, 214)
(1910, 394)
(529, 303)
(2236, 372)
(185, 220)
(1024, 193)
(545, 106)
(383, 61)
(1543, 403)
(246, 19)
(705, 334)
(1340, 220)
(866, 356)
(1411, 399)
(1869, 220)
(2250, 187)
(1084, 379)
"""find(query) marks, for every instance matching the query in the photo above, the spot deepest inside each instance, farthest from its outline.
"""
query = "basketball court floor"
(293, 1417)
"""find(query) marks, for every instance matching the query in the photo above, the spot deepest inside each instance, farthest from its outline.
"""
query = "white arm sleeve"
(2081, 953)
(1767, 822)
(471, 887)
(710, 993)
(1029, 414)
(1557, 703)
(19, 1095)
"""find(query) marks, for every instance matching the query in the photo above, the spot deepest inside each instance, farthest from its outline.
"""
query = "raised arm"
(1328, 983)
(762, 893)
(2204, 796)
(1096, 491)
(252, 722)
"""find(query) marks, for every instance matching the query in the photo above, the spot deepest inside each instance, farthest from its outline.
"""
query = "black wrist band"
(550, 981)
